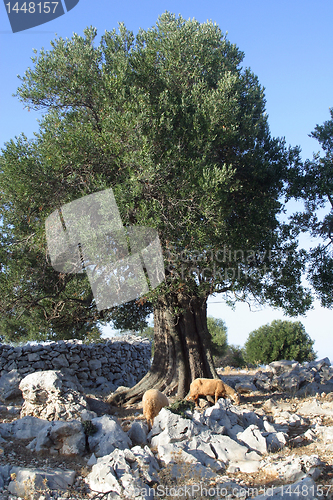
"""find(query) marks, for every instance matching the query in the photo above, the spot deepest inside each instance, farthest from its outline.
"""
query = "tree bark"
(182, 349)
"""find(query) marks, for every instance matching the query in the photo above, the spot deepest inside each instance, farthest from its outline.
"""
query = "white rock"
(304, 488)
(276, 441)
(120, 473)
(314, 407)
(9, 386)
(137, 433)
(293, 467)
(253, 438)
(36, 480)
(226, 449)
(174, 452)
(87, 415)
(103, 479)
(28, 427)
(247, 466)
(66, 438)
(175, 428)
(146, 464)
(51, 395)
(268, 426)
(109, 436)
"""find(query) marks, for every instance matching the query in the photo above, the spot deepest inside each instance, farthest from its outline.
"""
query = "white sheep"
(152, 402)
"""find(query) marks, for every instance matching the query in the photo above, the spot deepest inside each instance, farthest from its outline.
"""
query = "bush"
(279, 340)
(179, 407)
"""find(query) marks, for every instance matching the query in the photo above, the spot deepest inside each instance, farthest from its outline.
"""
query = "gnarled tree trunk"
(182, 349)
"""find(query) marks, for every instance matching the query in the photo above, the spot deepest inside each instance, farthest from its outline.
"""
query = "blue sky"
(288, 45)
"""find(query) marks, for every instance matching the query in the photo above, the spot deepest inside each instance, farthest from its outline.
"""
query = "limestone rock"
(174, 428)
(137, 433)
(314, 407)
(23, 428)
(9, 386)
(276, 441)
(245, 387)
(120, 473)
(253, 438)
(39, 481)
(293, 491)
(52, 396)
(65, 438)
(294, 468)
(145, 463)
(109, 436)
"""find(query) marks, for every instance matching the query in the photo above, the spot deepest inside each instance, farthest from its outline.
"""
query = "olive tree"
(176, 126)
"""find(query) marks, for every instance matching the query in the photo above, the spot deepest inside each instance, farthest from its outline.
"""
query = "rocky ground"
(303, 458)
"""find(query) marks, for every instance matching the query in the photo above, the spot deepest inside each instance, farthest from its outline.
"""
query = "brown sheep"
(211, 387)
(152, 402)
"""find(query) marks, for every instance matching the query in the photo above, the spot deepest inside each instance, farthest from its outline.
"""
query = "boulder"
(145, 463)
(305, 487)
(52, 395)
(276, 441)
(294, 468)
(23, 428)
(33, 483)
(137, 433)
(245, 387)
(315, 407)
(169, 428)
(120, 473)
(9, 386)
(199, 447)
(227, 449)
(253, 438)
(65, 438)
(174, 452)
(319, 364)
(284, 365)
(109, 436)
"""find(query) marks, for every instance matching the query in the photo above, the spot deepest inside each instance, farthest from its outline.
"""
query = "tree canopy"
(314, 184)
(177, 127)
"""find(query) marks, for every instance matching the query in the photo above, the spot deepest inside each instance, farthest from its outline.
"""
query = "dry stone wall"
(119, 361)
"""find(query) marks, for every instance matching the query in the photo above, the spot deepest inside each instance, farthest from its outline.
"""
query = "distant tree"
(219, 337)
(279, 340)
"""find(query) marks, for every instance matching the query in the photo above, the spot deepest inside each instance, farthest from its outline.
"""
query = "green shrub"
(180, 406)
(89, 427)
(279, 340)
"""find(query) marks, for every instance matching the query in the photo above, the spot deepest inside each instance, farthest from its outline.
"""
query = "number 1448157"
(32, 7)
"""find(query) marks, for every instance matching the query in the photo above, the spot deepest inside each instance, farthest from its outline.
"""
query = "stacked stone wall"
(120, 360)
